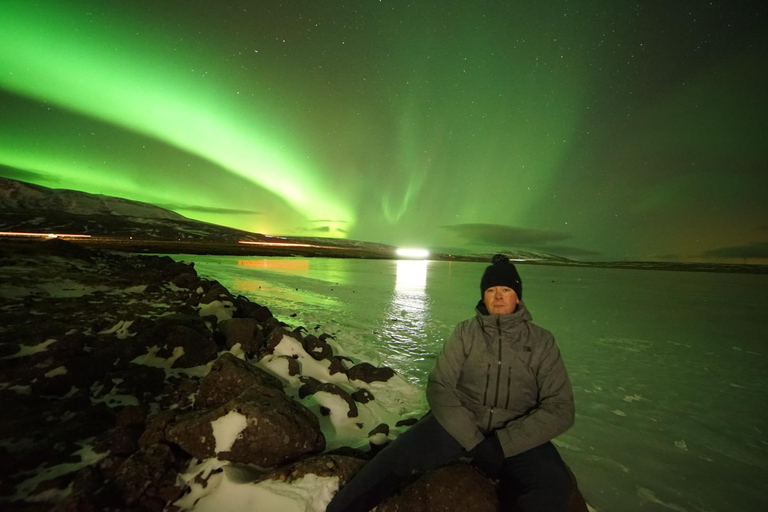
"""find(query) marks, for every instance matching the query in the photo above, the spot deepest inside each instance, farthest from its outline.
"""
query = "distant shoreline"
(234, 249)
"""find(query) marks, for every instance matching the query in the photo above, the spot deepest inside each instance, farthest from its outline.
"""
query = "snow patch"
(120, 329)
(222, 310)
(61, 370)
(227, 429)
(26, 350)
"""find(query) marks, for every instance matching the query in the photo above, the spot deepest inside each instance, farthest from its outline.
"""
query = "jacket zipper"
(487, 383)
(498, 376)
(509, 387)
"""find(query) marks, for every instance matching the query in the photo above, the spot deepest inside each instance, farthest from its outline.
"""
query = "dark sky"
(591, 129)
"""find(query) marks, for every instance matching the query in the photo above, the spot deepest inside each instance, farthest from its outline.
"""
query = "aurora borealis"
(593, 130)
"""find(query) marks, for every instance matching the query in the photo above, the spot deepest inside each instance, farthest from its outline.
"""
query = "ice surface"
(669, 368)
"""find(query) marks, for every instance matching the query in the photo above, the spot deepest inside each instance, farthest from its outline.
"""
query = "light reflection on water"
(407, 315)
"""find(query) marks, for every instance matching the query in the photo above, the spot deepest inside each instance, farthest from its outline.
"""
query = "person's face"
(500, 300)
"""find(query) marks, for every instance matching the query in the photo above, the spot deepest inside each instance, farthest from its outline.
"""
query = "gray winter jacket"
(501, 373)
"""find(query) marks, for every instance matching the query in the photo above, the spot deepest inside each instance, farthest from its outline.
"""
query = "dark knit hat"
(501, 273)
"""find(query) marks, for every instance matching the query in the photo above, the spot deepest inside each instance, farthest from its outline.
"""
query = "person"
(499, 393)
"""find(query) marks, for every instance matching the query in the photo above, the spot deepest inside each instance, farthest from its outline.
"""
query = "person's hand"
(488, 456)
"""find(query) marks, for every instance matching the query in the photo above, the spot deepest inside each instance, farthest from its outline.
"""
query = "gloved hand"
(488, 456)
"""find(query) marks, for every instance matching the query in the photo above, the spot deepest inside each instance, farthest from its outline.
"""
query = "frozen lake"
(669, 369)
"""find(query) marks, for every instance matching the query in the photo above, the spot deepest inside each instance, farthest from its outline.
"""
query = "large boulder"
(229, 377)
(455, 488)
(262, 426)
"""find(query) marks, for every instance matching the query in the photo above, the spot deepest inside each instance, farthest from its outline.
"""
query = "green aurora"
(595, 131)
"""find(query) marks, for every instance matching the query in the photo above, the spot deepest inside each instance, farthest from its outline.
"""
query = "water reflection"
(411, 277)
(407, 315)
(290, 266)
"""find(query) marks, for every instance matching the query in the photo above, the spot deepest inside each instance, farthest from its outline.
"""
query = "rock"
(381, 428)
(244, 331)
(337, 365)
(293, 365)
(177, 268)
(148, 478)
(455, 488)
(316, 348)
(326, 465)
(311, 386)
(275, 430)
(155, 430)
(369, 373)
(131, 416)
(122, 441)
(248, 309)
(229, 377)
(407, 422)
(198, 349)
(274, 339)
(138, 380)
(186, 280)
(362, 396)
(216, 292)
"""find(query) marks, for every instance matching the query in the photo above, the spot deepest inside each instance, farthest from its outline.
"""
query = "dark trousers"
(535, 481)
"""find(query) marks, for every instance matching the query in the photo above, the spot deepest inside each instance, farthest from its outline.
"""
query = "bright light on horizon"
(404, 252)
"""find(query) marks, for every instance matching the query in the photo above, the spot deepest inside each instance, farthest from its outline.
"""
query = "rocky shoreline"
(129, 383)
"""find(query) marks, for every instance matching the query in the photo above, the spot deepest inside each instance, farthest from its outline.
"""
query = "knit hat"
(501, 273)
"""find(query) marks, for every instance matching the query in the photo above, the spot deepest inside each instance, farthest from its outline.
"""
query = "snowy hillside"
(17, 196)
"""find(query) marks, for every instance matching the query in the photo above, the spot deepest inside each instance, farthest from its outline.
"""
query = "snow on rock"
(222, 310)
(120, 329)
(227, 429)
(61, 370)
(224, 490)
(26, 489)
(151, 358)
(25, 350)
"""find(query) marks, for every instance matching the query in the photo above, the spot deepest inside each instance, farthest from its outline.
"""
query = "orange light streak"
(46, 235)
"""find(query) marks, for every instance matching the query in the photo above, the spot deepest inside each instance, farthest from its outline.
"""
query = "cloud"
(208, 209)
(753, 250)
(322, 229)
(331, 221)
(495, 234)
(569, 251)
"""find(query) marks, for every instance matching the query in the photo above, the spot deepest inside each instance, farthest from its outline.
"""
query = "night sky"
(593, 130)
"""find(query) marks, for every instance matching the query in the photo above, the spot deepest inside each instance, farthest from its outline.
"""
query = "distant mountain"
(17, 196)
(25, 207)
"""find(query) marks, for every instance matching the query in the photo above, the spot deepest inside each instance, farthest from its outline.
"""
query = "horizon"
(608, 133)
